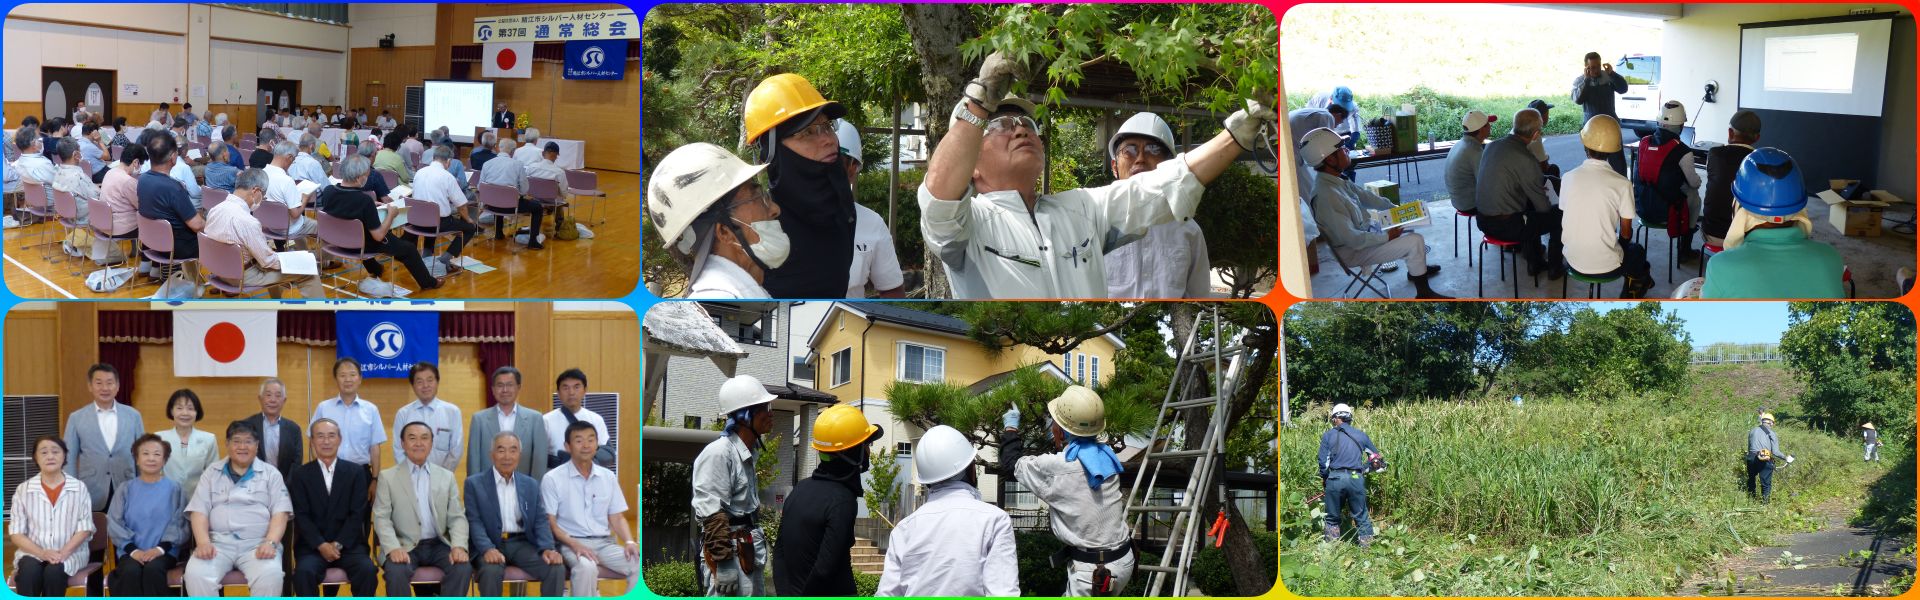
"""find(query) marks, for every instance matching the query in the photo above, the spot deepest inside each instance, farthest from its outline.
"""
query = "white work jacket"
(721, 279)
(723, 479)
(993, 247)
(954, 545)
(1170, 262)
(1081, 515)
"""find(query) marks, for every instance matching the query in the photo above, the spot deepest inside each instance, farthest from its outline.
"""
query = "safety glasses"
(1007, 124)
(1132, 152)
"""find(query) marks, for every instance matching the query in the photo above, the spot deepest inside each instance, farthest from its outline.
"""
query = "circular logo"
(505, 59)
(386, 340)
(593, 57)
(486, 32)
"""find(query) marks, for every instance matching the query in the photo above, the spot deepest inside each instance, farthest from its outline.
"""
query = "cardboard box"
(1856, 218)
(1406, 133)
(1841, 184)
(1385, 189)
(1884, 196)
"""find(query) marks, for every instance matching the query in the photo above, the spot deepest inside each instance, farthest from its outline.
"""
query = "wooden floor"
(607, 266)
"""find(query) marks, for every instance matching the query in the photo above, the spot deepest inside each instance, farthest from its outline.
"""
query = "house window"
(903, 449)
(1082, 377)
(690, 422)
(842, 366)
(747, 325)
(1096, 371)
(922, 363)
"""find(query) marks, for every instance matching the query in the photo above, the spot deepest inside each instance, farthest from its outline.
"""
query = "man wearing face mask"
(726, 495)
(790, 125)
(815, 557)
(721, 226)
(981, 211)
(1171, 260)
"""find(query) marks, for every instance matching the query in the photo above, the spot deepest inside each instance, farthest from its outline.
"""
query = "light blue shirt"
(507, 171)
(91, 154)
(361, 428)
(305, 168)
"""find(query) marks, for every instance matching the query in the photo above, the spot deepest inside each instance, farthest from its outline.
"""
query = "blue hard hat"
(1343, 96)
(1769, 184)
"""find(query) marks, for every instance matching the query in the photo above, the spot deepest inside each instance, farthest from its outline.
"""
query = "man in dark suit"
(501, 116)
(280, 441)
(482, 152)
(330, 513)
(523, 538)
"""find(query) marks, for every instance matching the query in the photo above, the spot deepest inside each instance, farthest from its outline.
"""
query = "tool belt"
(726, 536)
(748, 520)
(743, 550)
(1102, 577)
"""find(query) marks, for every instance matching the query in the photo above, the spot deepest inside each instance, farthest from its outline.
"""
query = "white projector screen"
(1830, 68)
(459, 106)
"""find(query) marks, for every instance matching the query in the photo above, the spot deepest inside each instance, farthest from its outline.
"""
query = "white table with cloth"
(573, 153)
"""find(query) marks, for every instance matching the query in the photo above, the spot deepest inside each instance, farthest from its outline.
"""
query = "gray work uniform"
(723, 481)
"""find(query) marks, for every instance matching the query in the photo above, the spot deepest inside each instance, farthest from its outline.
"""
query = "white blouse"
(190, 459)
(51, 522)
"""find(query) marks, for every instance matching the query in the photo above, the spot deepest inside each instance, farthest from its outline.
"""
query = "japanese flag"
(224, 343)
(508, 60)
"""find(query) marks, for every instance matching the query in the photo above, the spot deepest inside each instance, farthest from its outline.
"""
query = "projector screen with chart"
(1824, 67)
(459, 106)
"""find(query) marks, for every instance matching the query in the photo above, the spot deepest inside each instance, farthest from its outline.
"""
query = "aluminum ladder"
(1203, 358)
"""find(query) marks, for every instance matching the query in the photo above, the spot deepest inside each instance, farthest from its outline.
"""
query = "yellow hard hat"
(1079, 411)
(1766, 416)
(842, 427)
(1867, 426)
(1601, 134)
(783, 97)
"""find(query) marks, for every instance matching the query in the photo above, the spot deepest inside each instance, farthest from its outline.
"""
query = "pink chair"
(473, 179)
(100, 220)
(117, 150)
(545, 191)
(586, 184)
(226, 267)
(423, 219)
(276, 221)
(345, 240)
(211, 197)
(502, 201)
(67, 211)
(36, 208)
(393, 179)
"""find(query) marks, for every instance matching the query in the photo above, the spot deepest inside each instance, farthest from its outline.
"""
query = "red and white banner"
(508, 60)
(224, 343)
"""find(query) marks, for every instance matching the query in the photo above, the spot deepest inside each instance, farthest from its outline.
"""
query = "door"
(276, 94)
(64, 88)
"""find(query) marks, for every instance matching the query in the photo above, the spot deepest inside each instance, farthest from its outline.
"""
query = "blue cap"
(1343, 96)
(1769, 184)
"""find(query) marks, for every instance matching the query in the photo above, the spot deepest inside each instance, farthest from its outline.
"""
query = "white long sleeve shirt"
(954, 545)
(993, 247)
(1170, 262)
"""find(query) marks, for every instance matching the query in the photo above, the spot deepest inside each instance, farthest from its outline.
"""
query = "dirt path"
(1836, 560)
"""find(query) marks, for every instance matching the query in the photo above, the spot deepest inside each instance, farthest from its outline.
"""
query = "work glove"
(997, 73)
(1789, 459)
(727, 582)
(1244, 124)
(1012, 418)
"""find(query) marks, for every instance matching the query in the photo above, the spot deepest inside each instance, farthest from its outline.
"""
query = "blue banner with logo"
(597, 59)
(388, 343)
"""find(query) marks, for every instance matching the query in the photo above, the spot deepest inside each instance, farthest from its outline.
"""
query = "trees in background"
(1857, 360)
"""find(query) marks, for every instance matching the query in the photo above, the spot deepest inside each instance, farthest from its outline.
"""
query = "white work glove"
(1012, 418)
(1244, 124)
(1789, 459)
(727, 582)
(997, 73)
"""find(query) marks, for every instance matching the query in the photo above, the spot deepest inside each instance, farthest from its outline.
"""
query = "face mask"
(772, 249)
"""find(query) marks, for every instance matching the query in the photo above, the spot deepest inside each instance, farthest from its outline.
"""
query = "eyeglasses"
(760, 197)
(1009, 123)
(819, 127)
(1132, 152)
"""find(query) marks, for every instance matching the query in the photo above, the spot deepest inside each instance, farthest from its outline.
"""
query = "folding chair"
(227, 267)
(1364, 276)
(347, 241)
(586, 184)
(502, 201)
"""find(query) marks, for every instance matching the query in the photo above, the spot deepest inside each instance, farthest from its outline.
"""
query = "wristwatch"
(961, 113)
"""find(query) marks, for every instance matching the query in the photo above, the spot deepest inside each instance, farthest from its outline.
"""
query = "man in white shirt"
(587, 511)
(433, 183)
(1005, 240)
(162, 115)
(386, 122)
(512, 172)
(1598, 213)
(954, 544)
(543, 166)
(282, 190)
(874, 259)
(33, 165)
(530, 148)
(362, 430)
(305, 167)
(233, 223)
(571, 387)
(440, 415)
(1170, 261)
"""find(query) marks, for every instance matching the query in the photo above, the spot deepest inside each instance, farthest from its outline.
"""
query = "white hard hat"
(849, 139)
(1673, 114)
(688, 181)
(1340, 409)
(941, 454)
(1319, 144)
(741, 392)
(1146, 124)
(1079, 411)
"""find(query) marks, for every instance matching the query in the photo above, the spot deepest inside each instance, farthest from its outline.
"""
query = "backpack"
(564, 227)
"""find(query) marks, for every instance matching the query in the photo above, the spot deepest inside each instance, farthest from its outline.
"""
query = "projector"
(387, 42)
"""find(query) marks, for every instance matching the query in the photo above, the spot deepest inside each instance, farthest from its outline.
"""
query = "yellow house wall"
(966, 361)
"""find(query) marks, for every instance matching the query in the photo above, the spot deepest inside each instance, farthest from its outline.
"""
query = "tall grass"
(1440, 114)
(1558, 497)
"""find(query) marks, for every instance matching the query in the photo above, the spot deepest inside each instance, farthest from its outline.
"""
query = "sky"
(1737, 322)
